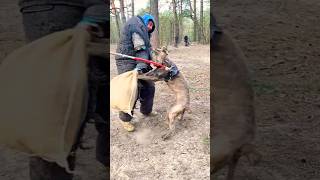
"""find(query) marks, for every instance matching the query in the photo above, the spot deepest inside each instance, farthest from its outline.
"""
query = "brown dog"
(233, 108)
(177, 84)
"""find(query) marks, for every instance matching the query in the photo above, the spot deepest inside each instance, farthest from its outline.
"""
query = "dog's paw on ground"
(167, 135)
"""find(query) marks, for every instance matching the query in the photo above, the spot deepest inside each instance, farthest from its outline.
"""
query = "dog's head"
(161, 54)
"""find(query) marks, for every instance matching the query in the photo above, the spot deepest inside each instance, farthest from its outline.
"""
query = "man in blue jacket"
(135, 41)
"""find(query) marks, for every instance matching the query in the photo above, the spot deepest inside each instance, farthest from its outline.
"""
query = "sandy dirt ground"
(14, 165)
(143, 154)
(281, 40)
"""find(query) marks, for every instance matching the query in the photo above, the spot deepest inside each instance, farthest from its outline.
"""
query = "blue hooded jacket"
(148, 17)
(138, 25)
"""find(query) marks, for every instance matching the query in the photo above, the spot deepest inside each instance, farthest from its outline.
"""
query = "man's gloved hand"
(95, 20)
(141, 68)
(91, 26)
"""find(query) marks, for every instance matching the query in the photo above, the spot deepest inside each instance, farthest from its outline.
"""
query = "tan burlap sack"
(43, 95)
(124, 91)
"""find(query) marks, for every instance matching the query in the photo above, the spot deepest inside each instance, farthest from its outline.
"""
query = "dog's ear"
(165, 49)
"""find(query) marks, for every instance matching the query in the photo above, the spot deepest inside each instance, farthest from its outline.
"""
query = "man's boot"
(128, 126)
(125, 121)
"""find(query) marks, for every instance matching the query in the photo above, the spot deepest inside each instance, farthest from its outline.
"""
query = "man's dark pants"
(39, 21)
(146, 90)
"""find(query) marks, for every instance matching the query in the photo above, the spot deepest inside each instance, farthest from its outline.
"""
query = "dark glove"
(96, 20)
(142, 68)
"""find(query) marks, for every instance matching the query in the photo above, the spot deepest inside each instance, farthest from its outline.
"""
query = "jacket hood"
(146, 18)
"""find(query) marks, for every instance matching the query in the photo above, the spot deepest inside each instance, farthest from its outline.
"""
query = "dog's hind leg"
(232, 166)
(182, 115)
(171, 118)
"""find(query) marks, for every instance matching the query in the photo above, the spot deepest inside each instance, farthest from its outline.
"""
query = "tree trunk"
(154, 10)
(127, 6)
(181, 22)
(115, 12)
(201, 37)
(123, 16)
(195, 25)
(176, 24)
(150, 8)
(172, 33)
(195, 22)
(132, 7)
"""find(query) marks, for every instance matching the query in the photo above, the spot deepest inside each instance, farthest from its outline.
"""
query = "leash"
(140, 59)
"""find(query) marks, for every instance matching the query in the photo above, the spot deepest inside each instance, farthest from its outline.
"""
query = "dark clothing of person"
(186, 41)
(215, 32)
(126, 46)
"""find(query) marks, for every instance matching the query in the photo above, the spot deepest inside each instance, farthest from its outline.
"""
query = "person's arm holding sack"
(140, 46)
(96, 21)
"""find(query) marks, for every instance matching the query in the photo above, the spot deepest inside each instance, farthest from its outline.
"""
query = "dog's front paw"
(167, 135)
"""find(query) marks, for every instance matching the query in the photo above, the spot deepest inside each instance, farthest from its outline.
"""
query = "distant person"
(186, 41)
(135, 41)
